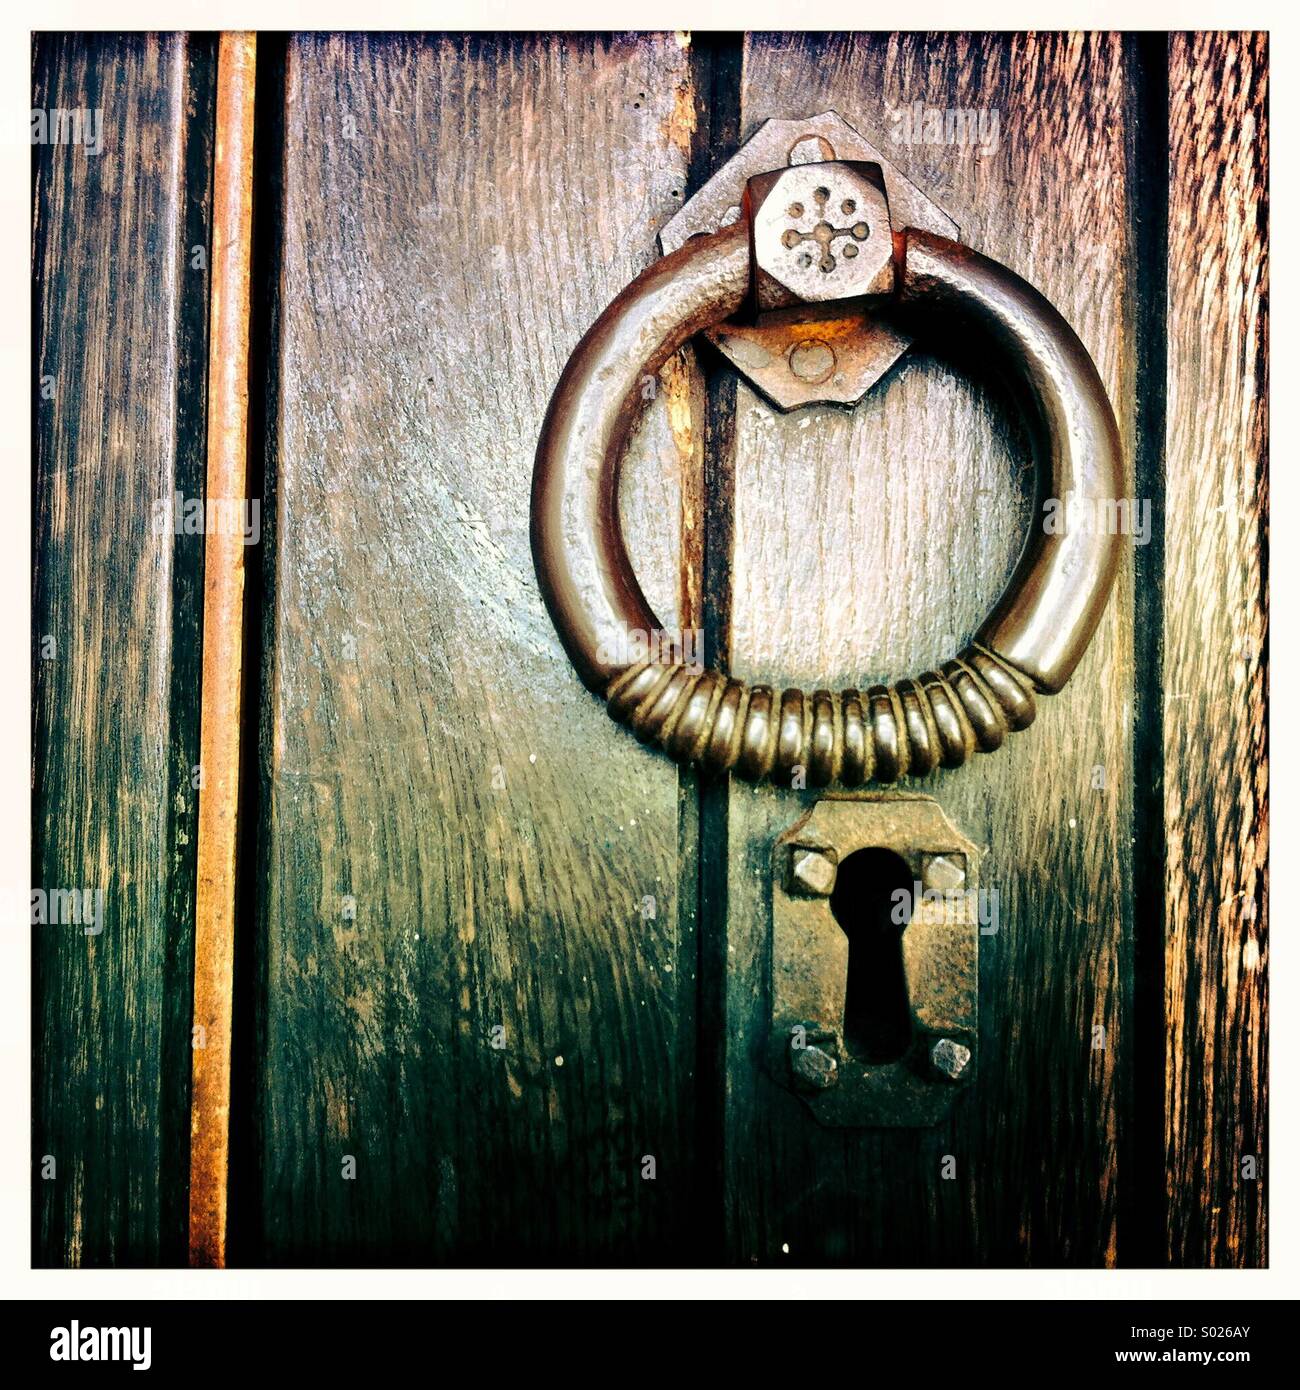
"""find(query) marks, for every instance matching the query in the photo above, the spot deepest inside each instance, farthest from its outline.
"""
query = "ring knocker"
(811, 234)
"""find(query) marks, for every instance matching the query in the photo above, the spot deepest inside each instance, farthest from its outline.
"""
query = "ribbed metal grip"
(881, 734)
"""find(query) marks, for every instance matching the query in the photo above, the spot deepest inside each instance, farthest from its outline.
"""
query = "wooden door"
(501, 971)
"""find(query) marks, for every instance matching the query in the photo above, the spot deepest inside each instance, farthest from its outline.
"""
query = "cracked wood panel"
(1215, 662)
(869, 545)
(457, 839)
(119, 310)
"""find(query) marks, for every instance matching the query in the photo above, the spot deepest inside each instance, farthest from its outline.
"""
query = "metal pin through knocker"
(824, 233)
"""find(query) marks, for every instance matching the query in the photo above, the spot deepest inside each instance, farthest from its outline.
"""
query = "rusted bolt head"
(812, 360)
(820, 233)
(944, 873)
(813, 1068)
(949, 1059)
(812, 872)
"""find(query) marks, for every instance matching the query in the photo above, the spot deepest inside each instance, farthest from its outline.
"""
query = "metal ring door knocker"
(814, 234)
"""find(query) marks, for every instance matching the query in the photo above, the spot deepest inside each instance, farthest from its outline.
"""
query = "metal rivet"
(812, 872)
(811, 149)
(943, 873)
(813, 1068)
(949, 1059)
(812, 360)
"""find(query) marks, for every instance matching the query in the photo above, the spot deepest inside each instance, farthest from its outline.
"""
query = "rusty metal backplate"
(828, 354)
(810, 959)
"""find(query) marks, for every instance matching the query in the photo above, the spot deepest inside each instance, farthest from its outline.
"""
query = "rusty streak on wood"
(1215, 631)
(223, 618)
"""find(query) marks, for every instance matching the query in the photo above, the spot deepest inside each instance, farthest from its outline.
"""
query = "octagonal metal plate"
(940, 947)
(813, 354)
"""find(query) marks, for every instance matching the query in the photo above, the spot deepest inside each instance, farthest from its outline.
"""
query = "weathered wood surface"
(118, 330)
(1215, 656)
(869, 545)
(454, 839)
(457, 839)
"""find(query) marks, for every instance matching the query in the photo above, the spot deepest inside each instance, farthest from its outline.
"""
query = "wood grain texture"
(457, 839)
(119, 313)
(1215, 660)
(870, 544)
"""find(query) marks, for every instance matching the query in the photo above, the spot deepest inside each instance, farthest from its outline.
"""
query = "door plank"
(869, 545)
(457, 838)
(1215, 660)
(119, 315)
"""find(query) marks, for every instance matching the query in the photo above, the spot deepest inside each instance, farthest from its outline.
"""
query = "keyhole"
(877, 1018)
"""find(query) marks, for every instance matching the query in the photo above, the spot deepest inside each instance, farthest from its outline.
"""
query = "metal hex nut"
(944, 873)
(808, 140)
(813, 1069)
(949, 1059)
(820, 233)
(865, 345)
(812, 872)
(814, 1057)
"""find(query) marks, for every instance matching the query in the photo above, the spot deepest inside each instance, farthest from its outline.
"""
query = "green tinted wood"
(119, 314)
(869, 544)
(477, 973)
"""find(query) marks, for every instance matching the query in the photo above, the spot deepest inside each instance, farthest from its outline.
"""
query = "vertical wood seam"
(1142, 1190)
(223, 614)
(248, 1050)
(196, 117)
(718, 63)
